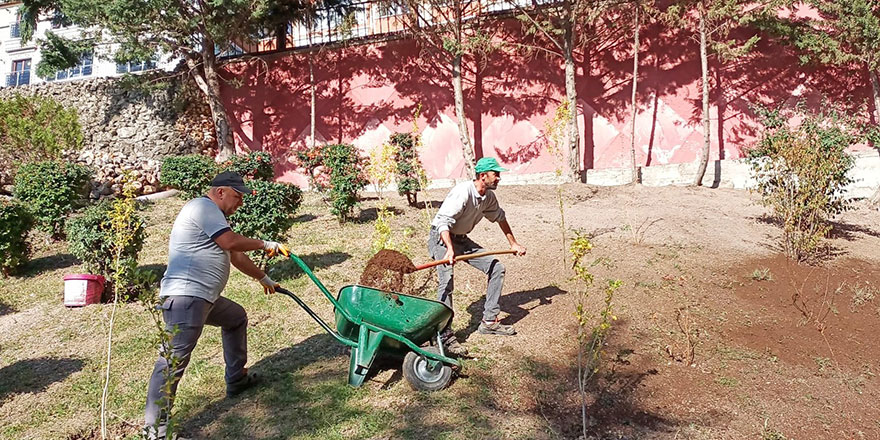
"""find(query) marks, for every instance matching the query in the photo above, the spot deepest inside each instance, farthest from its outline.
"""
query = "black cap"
(232, 180)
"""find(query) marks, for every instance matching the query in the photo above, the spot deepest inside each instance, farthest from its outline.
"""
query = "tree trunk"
(208, 81)
(281, 36)
(704, 64)
(466, 147)
(313, 102)
(571, 125)
(636, 47)
(875, 86)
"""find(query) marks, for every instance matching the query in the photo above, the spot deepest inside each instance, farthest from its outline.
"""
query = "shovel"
(463, 258)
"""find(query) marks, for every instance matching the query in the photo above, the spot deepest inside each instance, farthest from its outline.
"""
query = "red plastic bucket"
(82, 289)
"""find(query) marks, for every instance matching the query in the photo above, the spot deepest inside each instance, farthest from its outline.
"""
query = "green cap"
(488, 164)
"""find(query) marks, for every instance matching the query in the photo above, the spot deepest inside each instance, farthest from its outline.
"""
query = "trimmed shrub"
(256, 165)
(410, 173)
(269, 213)
(34, 128)
(90, 238)
(15, 223)
(51, 190)
(337, 171)
(801, 172)
(191, 174)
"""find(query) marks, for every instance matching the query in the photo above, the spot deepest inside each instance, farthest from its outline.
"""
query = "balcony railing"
(18, 78)
(371, 19)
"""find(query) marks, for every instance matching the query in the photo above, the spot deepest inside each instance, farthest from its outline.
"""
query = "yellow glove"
(269, 285)
(274, 248)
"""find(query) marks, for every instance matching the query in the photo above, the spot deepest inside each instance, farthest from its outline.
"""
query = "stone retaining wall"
(123, 128)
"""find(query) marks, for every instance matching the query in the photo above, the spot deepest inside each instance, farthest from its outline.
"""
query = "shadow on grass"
(35, 375)
(371, 214)
(48, 263)
(305, 218)
(6, 309)
(288, 269)
(513, 304)
(433, 204)
(302, 400)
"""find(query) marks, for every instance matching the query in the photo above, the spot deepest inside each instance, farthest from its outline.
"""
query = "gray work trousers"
(489, 265)
(190, 315)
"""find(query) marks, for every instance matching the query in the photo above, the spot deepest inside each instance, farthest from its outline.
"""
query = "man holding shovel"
(465, 205)
(200, 251)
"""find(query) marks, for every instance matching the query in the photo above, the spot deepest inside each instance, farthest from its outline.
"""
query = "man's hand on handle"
(449, 256)
(274, 248)
(269, 285)
(520, 250)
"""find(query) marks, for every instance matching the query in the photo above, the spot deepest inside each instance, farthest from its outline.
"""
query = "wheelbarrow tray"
(370, 320)
(414, 318)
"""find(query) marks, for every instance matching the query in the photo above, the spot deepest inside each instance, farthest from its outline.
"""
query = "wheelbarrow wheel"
(421, 376)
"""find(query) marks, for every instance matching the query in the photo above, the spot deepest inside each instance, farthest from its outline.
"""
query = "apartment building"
(18, 62)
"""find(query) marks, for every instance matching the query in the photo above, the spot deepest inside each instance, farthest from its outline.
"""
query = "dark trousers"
(489, 265)
(189, 315)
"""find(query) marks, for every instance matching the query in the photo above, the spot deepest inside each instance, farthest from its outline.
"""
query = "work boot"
(496, 328)
(453, 347)
(247, 381)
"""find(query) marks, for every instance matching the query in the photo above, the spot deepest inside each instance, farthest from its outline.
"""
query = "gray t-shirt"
(464, 207)
(197, 266)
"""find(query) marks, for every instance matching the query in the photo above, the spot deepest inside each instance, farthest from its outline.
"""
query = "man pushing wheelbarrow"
(465, 205)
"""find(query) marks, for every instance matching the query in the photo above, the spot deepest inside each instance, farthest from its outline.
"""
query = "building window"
(84, 68)
(21, 73)
(15, 28)
(134, 66)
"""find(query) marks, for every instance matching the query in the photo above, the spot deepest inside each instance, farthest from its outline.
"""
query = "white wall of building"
(12, 51)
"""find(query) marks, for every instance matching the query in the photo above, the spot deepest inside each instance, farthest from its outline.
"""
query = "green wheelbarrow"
(371, 321)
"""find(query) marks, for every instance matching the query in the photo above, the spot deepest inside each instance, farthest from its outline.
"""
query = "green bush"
(15, 223)
(410, 173)
(801, 172)
(191, 174)
(34, 128)
(337, 171)
(90, 238)
(269, 213)
(256, 165)
(50, 190)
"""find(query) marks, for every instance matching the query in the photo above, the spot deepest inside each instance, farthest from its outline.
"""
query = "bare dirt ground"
(717, 336)
(788, 349)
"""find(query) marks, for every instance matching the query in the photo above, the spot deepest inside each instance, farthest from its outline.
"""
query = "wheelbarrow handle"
(465, 257)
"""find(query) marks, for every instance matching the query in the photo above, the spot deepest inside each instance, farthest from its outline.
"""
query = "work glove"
(274, 248)
(269, 285)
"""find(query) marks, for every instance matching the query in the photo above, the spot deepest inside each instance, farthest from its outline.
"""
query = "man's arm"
(241, 262)
(230, 241)
(505, 228)
(450, 252)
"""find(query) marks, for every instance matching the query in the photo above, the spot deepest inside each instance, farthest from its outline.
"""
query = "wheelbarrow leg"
(362, 357)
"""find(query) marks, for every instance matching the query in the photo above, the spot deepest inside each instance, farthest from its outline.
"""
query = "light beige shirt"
(464, 207)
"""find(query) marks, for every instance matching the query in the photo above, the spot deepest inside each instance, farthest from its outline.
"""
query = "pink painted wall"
(368, 92)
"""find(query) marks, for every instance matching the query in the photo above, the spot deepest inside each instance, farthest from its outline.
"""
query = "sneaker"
(453, 347)
(149, 433)
(247, 381)
(496, 328)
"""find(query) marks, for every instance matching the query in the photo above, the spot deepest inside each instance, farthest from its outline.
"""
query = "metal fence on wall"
(367, 20)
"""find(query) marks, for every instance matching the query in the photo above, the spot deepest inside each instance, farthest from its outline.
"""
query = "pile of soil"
(387, 270)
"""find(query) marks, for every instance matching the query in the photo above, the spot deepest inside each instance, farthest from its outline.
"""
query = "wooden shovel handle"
(465, 257)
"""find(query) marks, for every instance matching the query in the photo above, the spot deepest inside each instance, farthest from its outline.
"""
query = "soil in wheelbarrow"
(393, 271)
